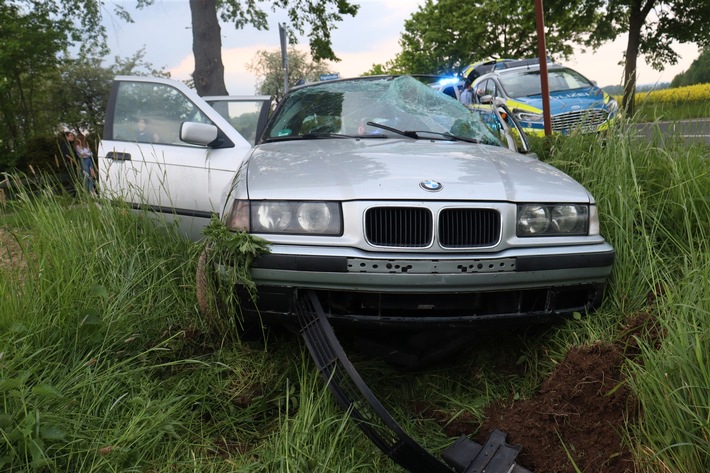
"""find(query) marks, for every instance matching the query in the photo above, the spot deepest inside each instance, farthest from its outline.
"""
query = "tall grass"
(105, 364)
(654, 201)
(671, 111)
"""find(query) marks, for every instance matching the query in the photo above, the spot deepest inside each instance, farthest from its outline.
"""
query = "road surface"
(697, 130)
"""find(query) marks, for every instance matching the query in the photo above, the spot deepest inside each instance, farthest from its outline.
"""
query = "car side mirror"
(198, 133)
(487, 99)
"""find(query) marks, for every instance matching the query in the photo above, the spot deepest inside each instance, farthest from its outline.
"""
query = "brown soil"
(579, 416)
(577, 420)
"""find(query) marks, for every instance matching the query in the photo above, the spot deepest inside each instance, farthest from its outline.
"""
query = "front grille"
(412, 227)
(404, 227)
(466, 228)
(586, 120)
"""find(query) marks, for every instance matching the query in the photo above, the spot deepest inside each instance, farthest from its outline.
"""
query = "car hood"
(372, 169)
(564, 101)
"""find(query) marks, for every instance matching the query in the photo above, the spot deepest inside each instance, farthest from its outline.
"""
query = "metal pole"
(284, 55)
(541, 48)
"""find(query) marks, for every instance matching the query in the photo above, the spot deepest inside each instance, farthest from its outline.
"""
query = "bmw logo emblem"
(431, 185)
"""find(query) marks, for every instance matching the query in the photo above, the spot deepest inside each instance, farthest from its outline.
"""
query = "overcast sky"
(369, 38)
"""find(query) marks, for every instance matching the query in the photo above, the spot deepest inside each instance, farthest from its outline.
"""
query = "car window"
(450, 91)
(567, 79)
(345, 107)
(523, 84)
(152, 113)
(491, 88)
(243, 115)
(487, 87)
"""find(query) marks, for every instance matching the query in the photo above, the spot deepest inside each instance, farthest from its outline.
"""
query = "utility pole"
(541, 48)
(284, 55)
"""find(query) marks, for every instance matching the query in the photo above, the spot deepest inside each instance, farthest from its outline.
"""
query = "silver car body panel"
(392, 169)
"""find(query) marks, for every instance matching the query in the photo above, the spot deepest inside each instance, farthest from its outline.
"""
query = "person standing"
(466, 94)
(84, 154)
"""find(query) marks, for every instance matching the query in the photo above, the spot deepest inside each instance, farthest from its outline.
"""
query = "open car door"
(149, 156)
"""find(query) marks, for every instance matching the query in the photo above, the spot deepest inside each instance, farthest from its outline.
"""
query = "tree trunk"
(632, 51)
(207, 49)
(637, 17)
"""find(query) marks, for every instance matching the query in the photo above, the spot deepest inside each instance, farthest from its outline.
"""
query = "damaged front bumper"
(449, 290)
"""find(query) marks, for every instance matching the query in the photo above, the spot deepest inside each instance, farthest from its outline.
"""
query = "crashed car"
(577, 105)
(391, 202)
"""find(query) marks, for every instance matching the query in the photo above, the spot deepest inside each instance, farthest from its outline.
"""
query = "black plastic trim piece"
(356, 398)
(550, 262)
(171, 210)
(118, 156)
(330, 264)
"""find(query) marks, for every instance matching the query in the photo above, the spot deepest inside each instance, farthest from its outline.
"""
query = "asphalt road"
(697, 130)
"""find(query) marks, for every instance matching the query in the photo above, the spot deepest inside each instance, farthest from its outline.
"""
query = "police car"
(576, 103)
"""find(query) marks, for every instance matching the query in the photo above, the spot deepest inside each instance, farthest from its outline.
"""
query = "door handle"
(116, 156)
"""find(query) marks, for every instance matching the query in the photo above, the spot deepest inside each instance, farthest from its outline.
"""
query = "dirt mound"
(577, 418)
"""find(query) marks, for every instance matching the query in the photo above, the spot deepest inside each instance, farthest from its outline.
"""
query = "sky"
(371, 37)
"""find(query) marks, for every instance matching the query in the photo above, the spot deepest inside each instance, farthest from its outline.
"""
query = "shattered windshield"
(382, 107)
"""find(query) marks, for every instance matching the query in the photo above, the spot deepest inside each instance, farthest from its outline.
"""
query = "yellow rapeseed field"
(690, 93)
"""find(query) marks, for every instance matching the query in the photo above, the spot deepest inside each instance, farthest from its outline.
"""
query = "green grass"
(656, 213)
(105, 364)
(671, 111)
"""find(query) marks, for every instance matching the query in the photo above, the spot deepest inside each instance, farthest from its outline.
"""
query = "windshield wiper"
(415, 134)
(448, 135)
(408, 134)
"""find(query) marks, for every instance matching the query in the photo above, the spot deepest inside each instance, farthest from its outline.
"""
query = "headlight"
(612, 106)
(533, 220)
(271, 216)
(288, 217)
(314, 217)
(552, 220)
(524, 116)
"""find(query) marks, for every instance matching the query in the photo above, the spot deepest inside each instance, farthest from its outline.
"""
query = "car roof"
(516, 70)
(345, 79)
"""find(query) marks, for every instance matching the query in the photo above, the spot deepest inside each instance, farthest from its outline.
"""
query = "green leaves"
(268, 67)
(444, 36)
(235, 250)
(320, 15)
(26, 432)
